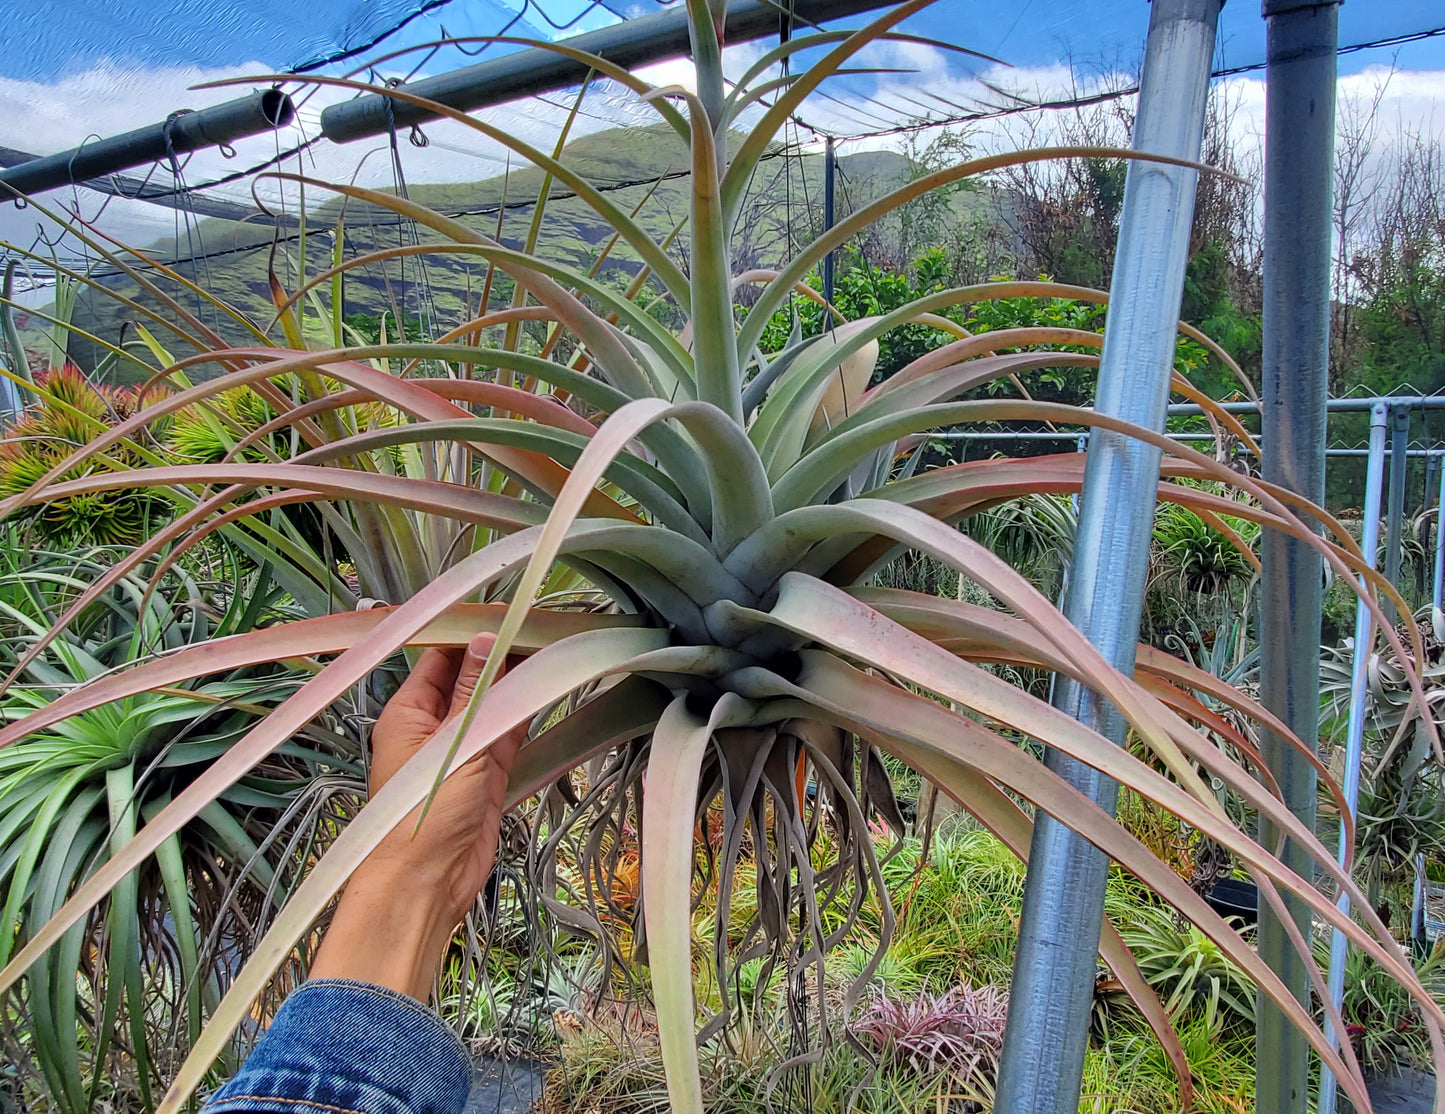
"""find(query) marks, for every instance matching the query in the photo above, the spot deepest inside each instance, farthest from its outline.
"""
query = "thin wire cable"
(975, 116)
(184, 217)
(354, 51)
(781, 152)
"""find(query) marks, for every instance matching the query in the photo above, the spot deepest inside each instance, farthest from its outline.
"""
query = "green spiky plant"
(1197, 558)
(129, 986)
(67, 411)
(684, 552)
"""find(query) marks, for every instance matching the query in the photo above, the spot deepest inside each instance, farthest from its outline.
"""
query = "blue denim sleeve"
(342, 1047)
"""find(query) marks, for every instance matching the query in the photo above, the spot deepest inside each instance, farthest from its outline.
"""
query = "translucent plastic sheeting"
(71, 70)
(60, 36)
(102, 68)
(48, 38)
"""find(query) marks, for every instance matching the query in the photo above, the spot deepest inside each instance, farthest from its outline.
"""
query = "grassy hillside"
(641, 169)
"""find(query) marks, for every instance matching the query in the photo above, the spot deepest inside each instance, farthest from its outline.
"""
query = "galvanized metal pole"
(1427, 492)
(1298, 179)
(830, 173)
(10, 404)
(1395, 512)
(1355, 729)
(1439, 581)
(1053, 985)
(1417, 907)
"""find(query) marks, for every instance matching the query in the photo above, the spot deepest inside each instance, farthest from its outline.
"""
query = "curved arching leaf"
(999, 813)
(667, 823)
(848, 697)
(513, 699)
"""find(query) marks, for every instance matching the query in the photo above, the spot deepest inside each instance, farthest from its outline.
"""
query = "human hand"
(403, 904)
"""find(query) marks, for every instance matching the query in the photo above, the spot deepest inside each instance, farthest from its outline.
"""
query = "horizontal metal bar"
(184, 131)
(136, 189)
(1333, 406)
(1033, 435)
(527, 73)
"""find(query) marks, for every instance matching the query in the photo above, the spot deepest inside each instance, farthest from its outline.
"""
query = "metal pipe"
(1417, 905)
(1332, 406)
(1299, 168)
(1041, 1064)
(528, 73)
(1355, 728)
(11, 405)
(1395, 522)
(181, 132)
(1032, 435)
(160, 193)
(1438, 591)
(830, 173)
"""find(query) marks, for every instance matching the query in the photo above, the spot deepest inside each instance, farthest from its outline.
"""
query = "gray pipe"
(1432, 455)
(1355, 729)
(1041, 1065)
(1298, 177)
(1437, 593)
(830, 173)
(1395, 508)
(1417, 905)
(138, 189)
(183, 132)
(1332, 406)
(527, 73)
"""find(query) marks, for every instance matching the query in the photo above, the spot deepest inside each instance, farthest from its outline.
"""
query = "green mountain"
(642, 171)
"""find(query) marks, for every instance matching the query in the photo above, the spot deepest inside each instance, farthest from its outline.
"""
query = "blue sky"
(47, 39)
(75, 69)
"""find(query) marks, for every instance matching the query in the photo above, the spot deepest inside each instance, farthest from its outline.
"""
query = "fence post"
(1395, 514)
(1298, 180)
(830, 173)
(1438, 587)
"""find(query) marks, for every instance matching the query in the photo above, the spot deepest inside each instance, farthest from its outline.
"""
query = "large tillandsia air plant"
(679, 532)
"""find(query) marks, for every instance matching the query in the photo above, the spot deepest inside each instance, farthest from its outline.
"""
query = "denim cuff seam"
(282, 1100)
(386, 994)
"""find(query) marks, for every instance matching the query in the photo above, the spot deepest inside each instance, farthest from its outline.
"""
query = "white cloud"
(42, 118)
(111, 98)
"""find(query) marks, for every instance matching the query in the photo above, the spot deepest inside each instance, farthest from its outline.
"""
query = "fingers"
(470, 671)
(428, 688)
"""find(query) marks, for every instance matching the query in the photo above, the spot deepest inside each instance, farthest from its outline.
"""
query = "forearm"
(357, 1038)
(390, 928)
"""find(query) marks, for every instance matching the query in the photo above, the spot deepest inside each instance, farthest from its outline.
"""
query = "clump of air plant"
(66, 412)
(959, 1031)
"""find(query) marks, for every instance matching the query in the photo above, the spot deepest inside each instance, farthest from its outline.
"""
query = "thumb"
(473, 662)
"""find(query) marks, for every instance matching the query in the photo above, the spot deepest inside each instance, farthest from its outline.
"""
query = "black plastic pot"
(1233, 898)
